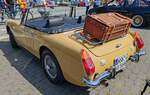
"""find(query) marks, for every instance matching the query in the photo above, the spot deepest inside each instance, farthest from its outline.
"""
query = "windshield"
(116, 3)
(44, 12)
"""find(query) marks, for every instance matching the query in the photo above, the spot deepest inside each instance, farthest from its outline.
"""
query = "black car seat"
(54, 21)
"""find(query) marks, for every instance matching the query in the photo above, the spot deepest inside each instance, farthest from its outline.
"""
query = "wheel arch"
(73, 75)
(138, 14)
(42, 48)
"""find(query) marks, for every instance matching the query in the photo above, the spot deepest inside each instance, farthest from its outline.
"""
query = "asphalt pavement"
(22, 74)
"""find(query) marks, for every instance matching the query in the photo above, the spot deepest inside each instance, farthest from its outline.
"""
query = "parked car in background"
(138, 10)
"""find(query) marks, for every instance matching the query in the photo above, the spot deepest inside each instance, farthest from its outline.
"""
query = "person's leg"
(1, 10)
(71, 11)
(146, 85)
(12, 12)
(7, 11)
(2, 15)
(74, 11)
(144, 89)
(87, 9)
(2, 7)
(16, 9)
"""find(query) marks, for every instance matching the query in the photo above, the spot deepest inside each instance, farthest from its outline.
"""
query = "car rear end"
(101, 62)
(108, 45)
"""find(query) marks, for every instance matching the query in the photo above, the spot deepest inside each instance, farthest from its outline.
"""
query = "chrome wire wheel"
(138, 21)
(50, 67)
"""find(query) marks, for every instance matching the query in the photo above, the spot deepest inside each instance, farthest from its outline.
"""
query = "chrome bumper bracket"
(136, 56)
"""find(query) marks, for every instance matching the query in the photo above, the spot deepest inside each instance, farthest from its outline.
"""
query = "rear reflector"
(87, 62)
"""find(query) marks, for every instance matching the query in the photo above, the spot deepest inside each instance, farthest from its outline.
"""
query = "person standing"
(23, 5)
(11, 6)
(2, 6)
(73, 4)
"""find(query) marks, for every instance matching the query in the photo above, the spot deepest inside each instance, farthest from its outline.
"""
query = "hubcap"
(137, 21)
(50, 67)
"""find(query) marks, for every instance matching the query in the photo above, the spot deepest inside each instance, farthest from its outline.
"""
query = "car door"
(27, 32)
(33, 39)
(29, 38)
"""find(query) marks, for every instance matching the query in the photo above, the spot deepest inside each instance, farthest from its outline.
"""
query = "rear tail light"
(138, 40)
(87, 62)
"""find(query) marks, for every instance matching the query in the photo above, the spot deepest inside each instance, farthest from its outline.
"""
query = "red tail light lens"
(87, 62)
(138, 40)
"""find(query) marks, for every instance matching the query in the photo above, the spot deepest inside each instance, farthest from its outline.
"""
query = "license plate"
(119, 63)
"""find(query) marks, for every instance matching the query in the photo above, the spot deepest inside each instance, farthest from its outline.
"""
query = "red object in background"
(81, 4)
(139, 41)
(120, 1)
(87, 62)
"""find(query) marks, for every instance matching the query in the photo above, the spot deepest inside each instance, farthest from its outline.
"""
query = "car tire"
(138, 21)
(51, 67)
(12, 39)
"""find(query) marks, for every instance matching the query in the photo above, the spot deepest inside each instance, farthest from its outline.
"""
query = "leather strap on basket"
(110, 33)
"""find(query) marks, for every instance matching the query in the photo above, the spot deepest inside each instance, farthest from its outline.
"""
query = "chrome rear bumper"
(109, 74)
(97, 81)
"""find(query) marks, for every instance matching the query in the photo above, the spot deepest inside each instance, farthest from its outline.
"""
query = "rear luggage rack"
(77, 35)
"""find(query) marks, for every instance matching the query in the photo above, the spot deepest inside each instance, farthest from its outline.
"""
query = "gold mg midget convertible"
(65, 55)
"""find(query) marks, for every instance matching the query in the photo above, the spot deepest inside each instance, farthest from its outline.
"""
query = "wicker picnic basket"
(106, 26)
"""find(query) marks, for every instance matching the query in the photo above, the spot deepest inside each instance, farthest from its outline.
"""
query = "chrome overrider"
(137, 55)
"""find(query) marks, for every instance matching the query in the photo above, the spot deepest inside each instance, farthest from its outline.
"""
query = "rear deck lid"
(109, 47)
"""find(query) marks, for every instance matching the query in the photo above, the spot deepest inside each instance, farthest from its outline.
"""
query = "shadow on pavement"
(28, 66)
